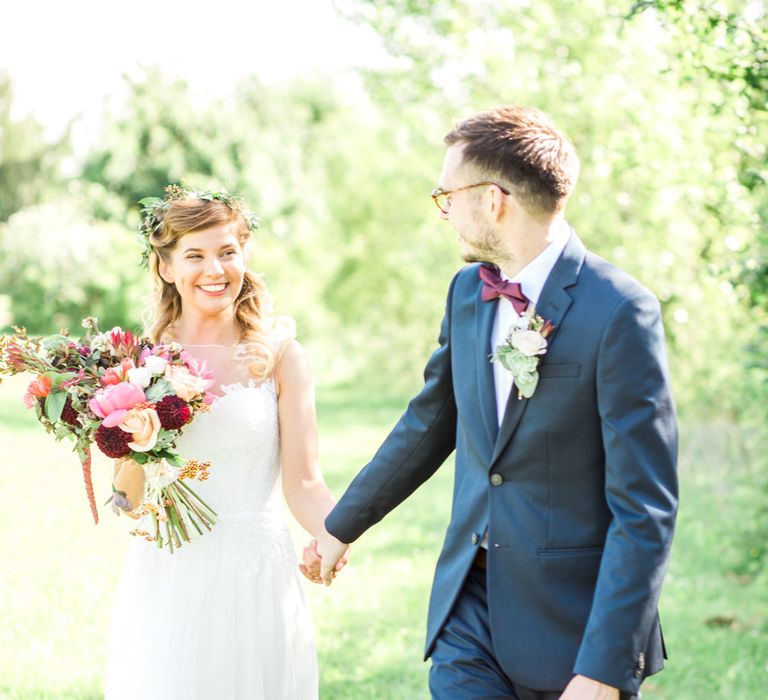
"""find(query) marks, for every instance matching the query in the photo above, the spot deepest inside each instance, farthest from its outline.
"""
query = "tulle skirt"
(223, 618)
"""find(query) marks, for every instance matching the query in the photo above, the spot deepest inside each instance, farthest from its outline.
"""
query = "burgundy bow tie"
(494, 287)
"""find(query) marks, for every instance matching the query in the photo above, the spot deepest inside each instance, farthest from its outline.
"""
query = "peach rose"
(185, 384)
(144, 426)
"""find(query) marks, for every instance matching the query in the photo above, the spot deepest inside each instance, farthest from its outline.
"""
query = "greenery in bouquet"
(130, 397)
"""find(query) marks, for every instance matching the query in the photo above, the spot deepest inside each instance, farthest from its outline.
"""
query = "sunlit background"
(328, 118)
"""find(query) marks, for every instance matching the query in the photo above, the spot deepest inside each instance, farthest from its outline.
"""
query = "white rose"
(529, 343)
(140, 377)
(155, 365)
(99, 343)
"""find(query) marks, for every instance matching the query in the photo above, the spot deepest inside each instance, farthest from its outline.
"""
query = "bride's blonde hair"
(253, 305)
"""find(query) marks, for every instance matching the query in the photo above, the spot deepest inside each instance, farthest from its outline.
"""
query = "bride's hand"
(128, 477)
(310, 565)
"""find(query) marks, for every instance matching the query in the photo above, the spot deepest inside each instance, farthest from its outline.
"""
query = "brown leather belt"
(481, 558)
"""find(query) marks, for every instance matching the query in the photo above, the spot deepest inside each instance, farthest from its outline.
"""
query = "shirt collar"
(533, 276)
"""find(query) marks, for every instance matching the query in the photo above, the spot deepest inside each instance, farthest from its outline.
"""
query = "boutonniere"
(522, 349)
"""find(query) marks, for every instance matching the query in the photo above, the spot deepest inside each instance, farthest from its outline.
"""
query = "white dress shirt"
(531, 279)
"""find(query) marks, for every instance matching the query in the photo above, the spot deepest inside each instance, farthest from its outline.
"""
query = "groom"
(564, 503)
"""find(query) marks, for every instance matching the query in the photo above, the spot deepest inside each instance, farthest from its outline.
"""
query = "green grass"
(59, 571)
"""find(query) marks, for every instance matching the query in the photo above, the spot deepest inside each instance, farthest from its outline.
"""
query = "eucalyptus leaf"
(51, 342)
(54, 405)
(518, 363)
(526, 383)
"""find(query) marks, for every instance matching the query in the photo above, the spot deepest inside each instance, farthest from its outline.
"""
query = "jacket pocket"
(573, 565)
(566, 370)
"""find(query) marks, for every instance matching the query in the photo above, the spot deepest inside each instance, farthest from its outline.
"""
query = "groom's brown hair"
(522, 146)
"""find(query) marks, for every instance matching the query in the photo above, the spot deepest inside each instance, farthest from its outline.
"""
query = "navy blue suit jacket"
(581, 521)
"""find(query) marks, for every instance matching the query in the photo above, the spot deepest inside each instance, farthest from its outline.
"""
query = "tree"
(29, 166)
(660, 193)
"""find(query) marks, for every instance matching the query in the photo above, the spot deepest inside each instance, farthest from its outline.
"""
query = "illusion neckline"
(235, 387)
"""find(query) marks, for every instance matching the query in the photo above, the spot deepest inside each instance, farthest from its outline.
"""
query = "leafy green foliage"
(29, 167)
(59, 265)
(671, 186)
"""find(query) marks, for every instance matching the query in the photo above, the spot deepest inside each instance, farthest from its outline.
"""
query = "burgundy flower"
(113, 442)
(69, 414)
(173, 412)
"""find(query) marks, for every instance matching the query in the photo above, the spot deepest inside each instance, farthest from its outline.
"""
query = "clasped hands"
(323, 558)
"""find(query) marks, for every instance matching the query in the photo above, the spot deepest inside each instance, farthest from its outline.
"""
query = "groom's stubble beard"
(487, 247)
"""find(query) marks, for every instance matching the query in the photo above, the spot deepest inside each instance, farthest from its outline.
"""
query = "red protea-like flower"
(173, 412)
(113, 442)
(69, 414)
(123, 343)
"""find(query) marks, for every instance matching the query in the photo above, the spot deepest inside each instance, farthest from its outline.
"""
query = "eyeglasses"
(442, 198)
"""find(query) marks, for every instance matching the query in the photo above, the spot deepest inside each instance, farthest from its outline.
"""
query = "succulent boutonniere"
(522, 349)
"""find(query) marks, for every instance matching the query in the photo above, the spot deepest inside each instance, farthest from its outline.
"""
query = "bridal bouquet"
(132, 399)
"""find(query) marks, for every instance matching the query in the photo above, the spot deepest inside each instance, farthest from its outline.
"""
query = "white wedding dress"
(224, 617)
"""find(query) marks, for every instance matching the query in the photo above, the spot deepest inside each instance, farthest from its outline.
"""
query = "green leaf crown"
(153, 211)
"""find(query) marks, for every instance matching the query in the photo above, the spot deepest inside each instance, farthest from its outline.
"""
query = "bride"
(225, 616)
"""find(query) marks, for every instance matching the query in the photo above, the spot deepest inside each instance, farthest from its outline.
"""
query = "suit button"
(497, 479)
(475, 538)
(640, 666)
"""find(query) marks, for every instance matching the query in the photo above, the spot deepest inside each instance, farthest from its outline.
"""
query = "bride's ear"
(165, 271)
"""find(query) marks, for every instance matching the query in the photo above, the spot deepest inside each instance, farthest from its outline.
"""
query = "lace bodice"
(240, 437)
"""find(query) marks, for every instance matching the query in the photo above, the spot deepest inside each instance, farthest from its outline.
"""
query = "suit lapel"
(554, 303)
(485, 313)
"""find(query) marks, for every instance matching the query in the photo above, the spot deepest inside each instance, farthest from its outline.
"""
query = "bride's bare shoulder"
(292, 368)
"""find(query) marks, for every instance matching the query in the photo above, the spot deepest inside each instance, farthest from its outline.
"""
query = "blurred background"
(328, 118)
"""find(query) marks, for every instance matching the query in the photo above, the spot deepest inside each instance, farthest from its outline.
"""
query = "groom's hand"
(333, 554)
(583, 688)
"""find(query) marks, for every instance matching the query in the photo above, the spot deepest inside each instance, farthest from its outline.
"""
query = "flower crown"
(153, 211)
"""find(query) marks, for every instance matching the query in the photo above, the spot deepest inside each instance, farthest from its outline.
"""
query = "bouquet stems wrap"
(172, 511)
(86, 464)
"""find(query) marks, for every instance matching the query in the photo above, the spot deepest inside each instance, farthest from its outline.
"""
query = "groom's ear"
(495, 202)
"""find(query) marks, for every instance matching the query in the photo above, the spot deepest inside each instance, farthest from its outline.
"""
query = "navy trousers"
(463, 663)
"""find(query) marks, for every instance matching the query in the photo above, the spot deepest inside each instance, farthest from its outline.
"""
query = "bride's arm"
(305, 490)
